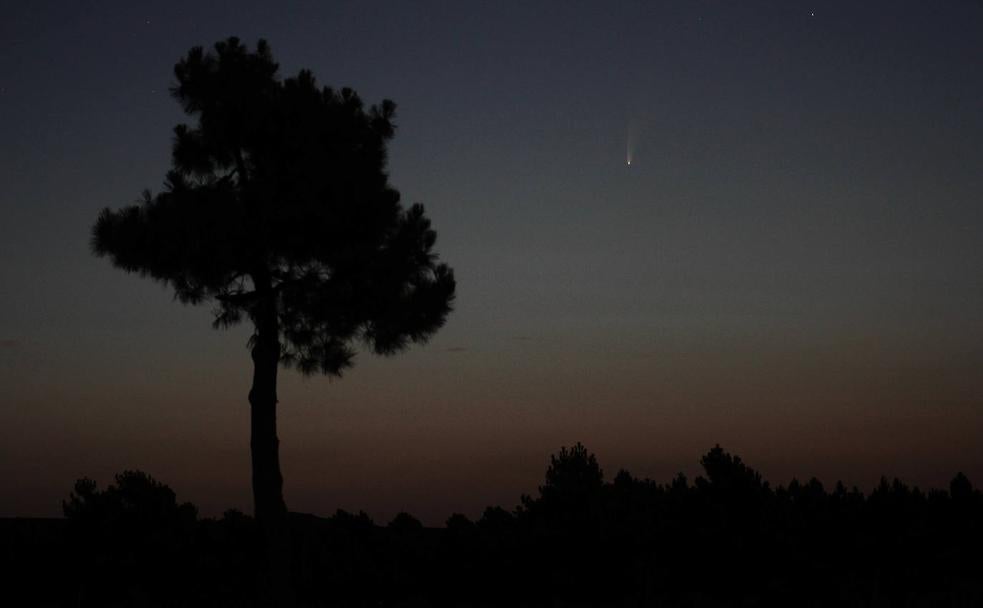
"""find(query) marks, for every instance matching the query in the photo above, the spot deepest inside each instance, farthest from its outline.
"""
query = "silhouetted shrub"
(131, 539)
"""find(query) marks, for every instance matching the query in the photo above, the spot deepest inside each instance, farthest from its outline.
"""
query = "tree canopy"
(279, 192)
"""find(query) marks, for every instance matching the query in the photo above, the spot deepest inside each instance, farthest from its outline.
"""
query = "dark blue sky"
(792, 265)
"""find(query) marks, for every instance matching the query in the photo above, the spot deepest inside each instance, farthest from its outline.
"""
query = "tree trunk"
(269, 508)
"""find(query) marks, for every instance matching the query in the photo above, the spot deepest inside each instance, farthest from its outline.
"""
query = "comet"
(629, 146)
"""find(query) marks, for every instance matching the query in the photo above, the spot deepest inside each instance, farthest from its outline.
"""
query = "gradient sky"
(791, 267)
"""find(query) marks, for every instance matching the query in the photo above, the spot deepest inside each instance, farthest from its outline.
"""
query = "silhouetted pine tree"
(278, 210)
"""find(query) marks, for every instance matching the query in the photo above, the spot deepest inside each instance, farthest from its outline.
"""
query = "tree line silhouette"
(728, 538)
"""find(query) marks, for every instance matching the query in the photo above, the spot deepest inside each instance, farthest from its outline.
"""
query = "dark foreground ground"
(726, 539)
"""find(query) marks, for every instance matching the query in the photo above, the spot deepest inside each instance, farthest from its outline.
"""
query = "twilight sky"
(791, 267)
